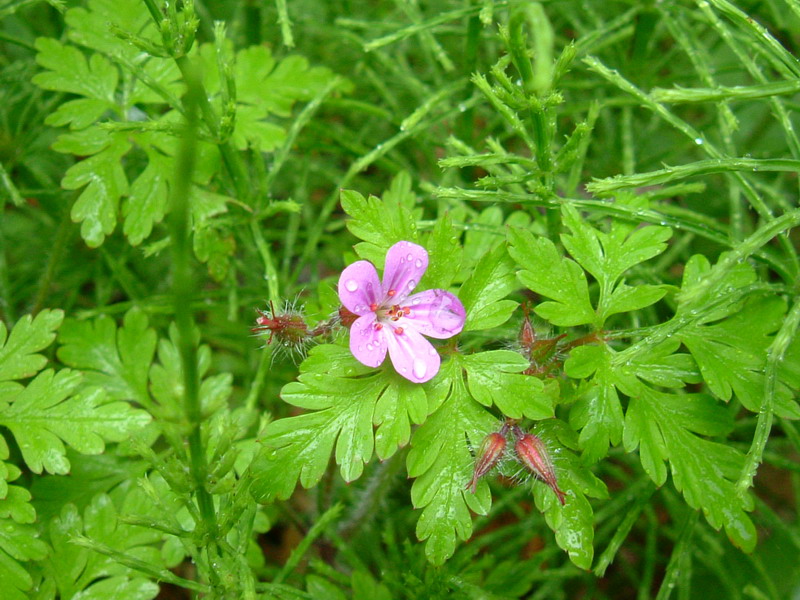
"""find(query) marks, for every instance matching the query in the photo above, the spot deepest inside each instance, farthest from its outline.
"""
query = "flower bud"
(490, 453)
(534, 455)
(288, 326)
(527, 336)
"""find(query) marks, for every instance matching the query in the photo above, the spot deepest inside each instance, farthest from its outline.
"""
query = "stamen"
(391, 293)
(378, 326)
(398, 330)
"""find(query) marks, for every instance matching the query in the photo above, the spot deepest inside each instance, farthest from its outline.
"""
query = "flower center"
(391, 313)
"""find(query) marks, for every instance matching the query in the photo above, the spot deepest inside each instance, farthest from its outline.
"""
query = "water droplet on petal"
(432, 351)
(412, 284)
(410, 257)
(351, 285)
(370, 347)
(415, 301)
(419, 368)
(418, 263)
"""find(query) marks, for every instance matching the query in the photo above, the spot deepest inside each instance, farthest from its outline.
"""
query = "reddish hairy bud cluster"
(288, 326)
(529, 449)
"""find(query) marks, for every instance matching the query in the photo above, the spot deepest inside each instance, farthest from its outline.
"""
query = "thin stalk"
(183, 286)
(152, 571)
(54, 258)
(230, 157)
(668, 174)
(316, 530)
(680, 554)
(775, 353)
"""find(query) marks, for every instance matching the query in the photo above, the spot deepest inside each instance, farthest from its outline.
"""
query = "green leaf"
(105, 182)
(147, 201)
(697, 271)
(597, 413)
(661, 366)
(45, 413)
(608, 255)
(92, 27)
(166, 379)
(480, 239)
(483, 293)
(15, 504)
(732, 354)
(625, 298)
(381, 223)
(117, 360)
(345, 408)
(69, 71)
(442, 464)
(445, 255)
(18, 351)
(495, 377)
(18, 543)
(77, 571)
(547, 273)
(663, 426)
(264, 88)
(401, 404)
(573, 523)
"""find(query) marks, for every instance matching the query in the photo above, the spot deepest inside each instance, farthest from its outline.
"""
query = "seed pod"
(490, 453)
(534, 455)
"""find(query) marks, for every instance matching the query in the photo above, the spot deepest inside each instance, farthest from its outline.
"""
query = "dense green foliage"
(618, 177)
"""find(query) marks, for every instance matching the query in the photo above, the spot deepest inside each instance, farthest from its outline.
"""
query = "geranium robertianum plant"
(576, 375)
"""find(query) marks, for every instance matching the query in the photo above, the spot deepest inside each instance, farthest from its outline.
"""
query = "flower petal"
(435, 313)
(359, 287)
(412, 355)
(405, 265)
(368, 343)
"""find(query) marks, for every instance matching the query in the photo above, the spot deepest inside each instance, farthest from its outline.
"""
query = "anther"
(378, 326)
(373, 307)
(398, 330)
(391, 293)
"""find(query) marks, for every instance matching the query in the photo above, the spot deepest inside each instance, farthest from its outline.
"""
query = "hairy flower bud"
(288, 326)
(533, 453)
(527, 336)
(490, 453)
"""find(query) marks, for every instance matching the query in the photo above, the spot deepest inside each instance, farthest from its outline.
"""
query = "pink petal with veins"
(359, 287)
(405, 265)
(368, 343)
(412, 355)
(435, 313)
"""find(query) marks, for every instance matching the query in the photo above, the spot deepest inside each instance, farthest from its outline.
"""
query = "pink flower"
(388, 318)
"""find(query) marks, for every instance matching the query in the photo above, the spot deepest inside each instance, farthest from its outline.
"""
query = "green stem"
(330, 516)
(604, 187)
(183, 285)
(53, 259)
(775, 354)
(133, 562)
(230, 157)
(681, 553)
